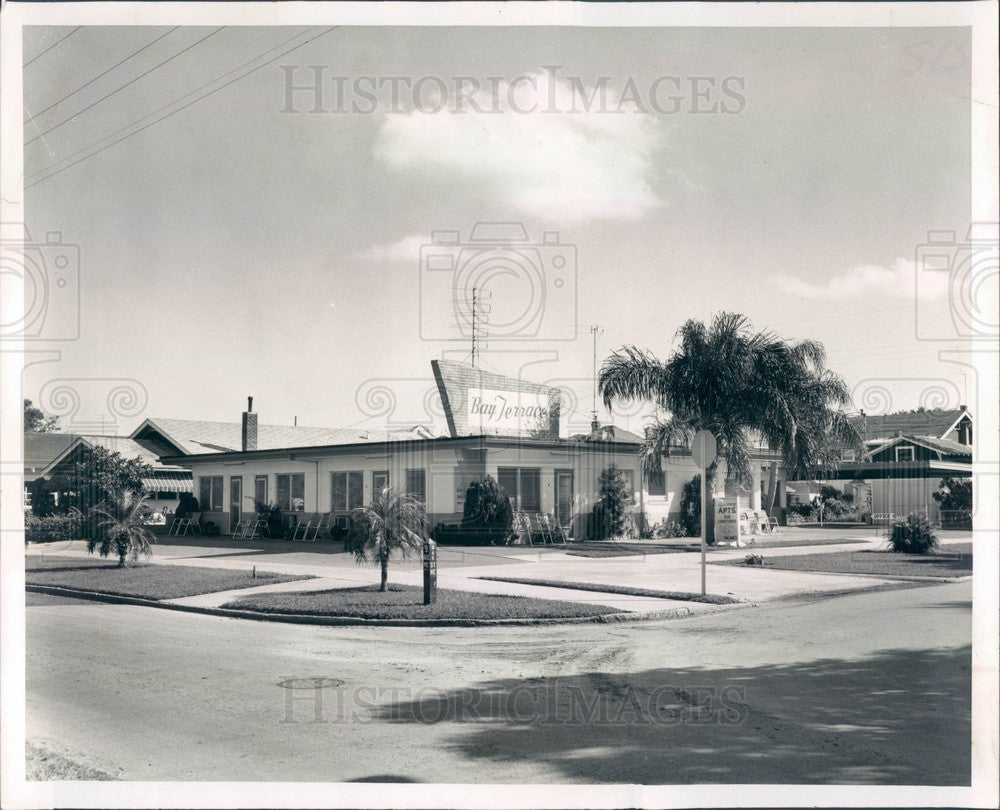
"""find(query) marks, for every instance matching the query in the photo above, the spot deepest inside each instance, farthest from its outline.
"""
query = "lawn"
(406, 602)
(144, 580)
(625, 590)
(953, 560)
(689, 544)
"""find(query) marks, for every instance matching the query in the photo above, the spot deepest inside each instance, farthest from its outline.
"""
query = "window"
(904, 453)
(629, 477)
(523, 485)
(416, 484)
(346, 491)
(380, 480)
(211, 493)
(656, 483)
(260, 488)
(291, 491)
(164, 495)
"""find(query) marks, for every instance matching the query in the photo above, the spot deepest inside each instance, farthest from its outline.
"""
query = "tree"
(741, 385)
(691, 507)
(393, 522)
(954, 494)
(35, 420)
(122, 523)
(104, 477)
(607, 518)
(487, 507)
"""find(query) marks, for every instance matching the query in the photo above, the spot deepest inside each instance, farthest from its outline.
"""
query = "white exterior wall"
(901, 496)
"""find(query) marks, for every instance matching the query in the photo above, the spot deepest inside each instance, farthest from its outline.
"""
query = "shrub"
(487, 513)
(913, 536)
(668, 527)
(210, 529)
(753, 559)
(607, 518)
(270, 513)
(187, 505)
(690, 517)
(53, 528)
(954, 494)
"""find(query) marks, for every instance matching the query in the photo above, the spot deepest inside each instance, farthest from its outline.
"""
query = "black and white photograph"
(499, 404)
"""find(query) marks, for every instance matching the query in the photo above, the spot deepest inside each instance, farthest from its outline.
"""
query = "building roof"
(41, 448)
(171, 437)
(936, 423)
(946, 447)
(125, 445)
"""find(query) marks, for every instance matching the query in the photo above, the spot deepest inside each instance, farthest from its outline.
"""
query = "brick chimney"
(249, 432)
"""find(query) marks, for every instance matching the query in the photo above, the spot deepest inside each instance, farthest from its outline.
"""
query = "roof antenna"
(295, 423)
(594, 424)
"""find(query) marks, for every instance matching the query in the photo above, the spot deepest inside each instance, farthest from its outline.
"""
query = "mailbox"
(430, 571)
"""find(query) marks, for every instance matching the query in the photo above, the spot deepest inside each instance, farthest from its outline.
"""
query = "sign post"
(430, 571)
(704, 450)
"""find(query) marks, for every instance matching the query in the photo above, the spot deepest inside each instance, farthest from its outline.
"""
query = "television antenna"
(479, 310)
(595, 331)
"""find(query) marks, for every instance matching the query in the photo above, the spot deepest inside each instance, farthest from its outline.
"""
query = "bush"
(187, 505)
(954, 494)
(668, 527)
(690, 517)
(270, 513)
(53, 528)
(210, 529)
(607, 518)
(487, 514)
(913, 536)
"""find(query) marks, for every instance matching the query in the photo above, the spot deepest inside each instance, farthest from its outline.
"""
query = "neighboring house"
(163, 485)
(40, 450)
(905, 458)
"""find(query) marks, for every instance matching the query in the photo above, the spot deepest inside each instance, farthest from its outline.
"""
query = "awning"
(168, 482)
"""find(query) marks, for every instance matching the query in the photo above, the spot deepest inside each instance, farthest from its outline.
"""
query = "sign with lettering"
(727, 520)
(507, 412)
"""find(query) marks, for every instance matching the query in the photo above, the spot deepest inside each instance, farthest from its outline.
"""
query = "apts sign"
(508, 412)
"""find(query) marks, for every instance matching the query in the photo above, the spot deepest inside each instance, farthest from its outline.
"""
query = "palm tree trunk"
(772, 489)
(385, 574)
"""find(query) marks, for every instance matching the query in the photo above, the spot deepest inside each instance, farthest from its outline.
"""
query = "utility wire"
(179, 109)
(105, 73)
(127, 84)
(37, 56)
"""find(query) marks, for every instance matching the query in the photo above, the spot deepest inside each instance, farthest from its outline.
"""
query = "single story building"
(498, 426)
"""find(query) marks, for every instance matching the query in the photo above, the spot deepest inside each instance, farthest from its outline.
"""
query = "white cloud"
(898, 281)
(406, 249)
(562, 166)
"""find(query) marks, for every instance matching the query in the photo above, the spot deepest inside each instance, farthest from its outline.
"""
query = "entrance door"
(235, 501)
(564, 498)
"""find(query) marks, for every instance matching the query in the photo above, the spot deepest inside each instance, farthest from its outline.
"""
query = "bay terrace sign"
(477, 402)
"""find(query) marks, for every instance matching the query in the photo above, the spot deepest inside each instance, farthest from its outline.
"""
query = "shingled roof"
(936, 423)
(194, 437)
(40, 449)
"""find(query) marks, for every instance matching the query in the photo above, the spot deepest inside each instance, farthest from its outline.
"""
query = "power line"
(37, 56)
(179, 109)
(127, 84)
(105, 73)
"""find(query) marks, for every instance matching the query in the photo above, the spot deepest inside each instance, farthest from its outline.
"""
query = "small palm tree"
(393, 522)
(122, 528)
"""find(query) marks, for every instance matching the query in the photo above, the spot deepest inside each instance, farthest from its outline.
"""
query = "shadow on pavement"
(901, 717)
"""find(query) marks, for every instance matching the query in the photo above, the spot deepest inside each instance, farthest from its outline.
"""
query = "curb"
(348, 621)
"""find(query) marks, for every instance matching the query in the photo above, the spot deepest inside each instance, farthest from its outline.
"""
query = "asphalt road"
(866, 689)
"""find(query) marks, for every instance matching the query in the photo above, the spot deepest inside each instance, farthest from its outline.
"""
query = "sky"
(246, 244)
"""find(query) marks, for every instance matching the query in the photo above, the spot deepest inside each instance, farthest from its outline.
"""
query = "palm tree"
(121, 527)
(393, 522)
(742, 385)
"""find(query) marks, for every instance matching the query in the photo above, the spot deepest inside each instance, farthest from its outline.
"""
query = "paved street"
(867, 688)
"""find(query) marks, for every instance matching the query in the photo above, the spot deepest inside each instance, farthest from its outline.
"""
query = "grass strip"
(145, 581)
(406, 602)
(949, 561)
(624, 590)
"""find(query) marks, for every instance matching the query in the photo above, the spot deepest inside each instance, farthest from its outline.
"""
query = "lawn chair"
(541, 523)
(321, 525)
(301, 530)
(192, 524)
(772, 525)
(521, 530)
(176, 525)
(556, 533)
